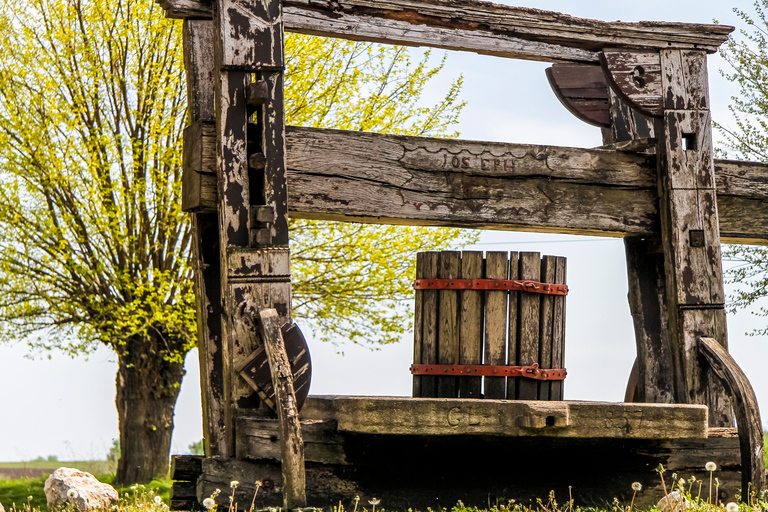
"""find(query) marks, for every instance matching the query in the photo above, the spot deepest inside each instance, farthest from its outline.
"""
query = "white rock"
(1, 508)
(68, 485)
(673, 502)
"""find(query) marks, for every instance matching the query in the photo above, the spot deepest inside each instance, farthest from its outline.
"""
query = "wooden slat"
(419, 416)
(530, 268)
(362, 177)
(546, 323)
(430, 325)
(636, 77)
(418, 324)
(558, 330)
(496, 267)
(513, 333)
(449, 267)
(747, 413)
(471, 324)
(583, 90)
(469, 25)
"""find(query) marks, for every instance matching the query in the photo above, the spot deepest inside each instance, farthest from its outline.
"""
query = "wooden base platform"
(419, 453)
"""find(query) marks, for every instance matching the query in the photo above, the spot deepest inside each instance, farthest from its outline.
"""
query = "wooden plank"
(471, 323)
(558, 330)
(747, 413)
(291, 443)
(258, 437)
(513, 331)
(367, 177)
(609, 468)
(546, 323)
(198, 191)
(452, 417)
(418, 324)
(582, 89)
(430, 325)
(467, 25)
(530, 268)
(496, 267)
(448, 327)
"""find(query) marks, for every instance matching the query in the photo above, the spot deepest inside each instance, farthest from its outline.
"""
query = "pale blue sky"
(66, 407)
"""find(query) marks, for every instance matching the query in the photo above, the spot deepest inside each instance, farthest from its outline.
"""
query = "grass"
(94, 467)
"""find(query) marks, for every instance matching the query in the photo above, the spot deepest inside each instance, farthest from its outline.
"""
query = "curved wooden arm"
(747, 414)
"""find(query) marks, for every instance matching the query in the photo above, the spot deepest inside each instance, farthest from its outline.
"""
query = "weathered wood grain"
(538, 34)
(429, 344)
(251, 34)
(199, 65)
(449, 267)
(528, 324)
(546, 323)
(450, 417)
(747, 414)
(558, 329)
(362, 177)
(690, 229)
(470, 324)
(495, 303)
(291, 443)
(513, 333)
(583, 90)
(636, 78)
(418, 324)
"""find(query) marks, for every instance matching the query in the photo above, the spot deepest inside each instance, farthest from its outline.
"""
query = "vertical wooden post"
(448, 327)
(647, 281)
(496, 267)
(530, 268)
(253, 223)
(198, 61)
(690, 228)
(471, 323)
(291, 443)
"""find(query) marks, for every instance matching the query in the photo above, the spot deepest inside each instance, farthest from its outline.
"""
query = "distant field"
(38, 468)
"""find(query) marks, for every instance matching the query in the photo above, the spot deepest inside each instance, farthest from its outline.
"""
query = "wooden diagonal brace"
(747, 415)
(291, 443)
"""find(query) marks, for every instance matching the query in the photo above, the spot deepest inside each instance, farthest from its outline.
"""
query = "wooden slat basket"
(489, 327)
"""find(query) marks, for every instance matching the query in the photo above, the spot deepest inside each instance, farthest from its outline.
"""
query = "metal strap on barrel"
(491, 284)
(486, 370)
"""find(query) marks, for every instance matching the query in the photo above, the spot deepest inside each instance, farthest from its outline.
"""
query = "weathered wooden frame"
(654, 182)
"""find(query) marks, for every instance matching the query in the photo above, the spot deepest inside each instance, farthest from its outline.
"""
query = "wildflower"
(375, 502)
(133, 487)
(158, 500)
(637, 486)
(732, 507)
(258, 483)
(72, 494)
(710, 466)
(208, 503)
(693, 479)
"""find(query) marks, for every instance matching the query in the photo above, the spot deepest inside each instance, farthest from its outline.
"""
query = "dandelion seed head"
(374, 501)
(637, 486)
(158, 500)
(208, 503)
(234, 483)
(732, 507)
(72, 494)
(710, 466)
(258, 483)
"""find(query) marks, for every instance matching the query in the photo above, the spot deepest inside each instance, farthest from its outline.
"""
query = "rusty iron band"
(491, 284)
(486, 370)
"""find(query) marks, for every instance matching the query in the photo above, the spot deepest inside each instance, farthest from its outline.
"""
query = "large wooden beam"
(481, 27)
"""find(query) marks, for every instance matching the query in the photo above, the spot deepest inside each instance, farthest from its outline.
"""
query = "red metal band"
(491, 284)
(486, 370)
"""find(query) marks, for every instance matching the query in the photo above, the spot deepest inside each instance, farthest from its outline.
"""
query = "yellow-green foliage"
(93, 244)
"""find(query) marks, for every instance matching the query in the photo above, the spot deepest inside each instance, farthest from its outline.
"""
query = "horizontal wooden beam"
(482, 27)
(376, 178)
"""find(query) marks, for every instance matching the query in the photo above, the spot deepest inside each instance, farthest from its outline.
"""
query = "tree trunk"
(148, 383)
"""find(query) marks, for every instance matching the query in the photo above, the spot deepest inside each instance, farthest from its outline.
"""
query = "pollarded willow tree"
(94, 248)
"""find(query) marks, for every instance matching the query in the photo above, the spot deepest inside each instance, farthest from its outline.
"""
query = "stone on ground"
(81, 489)
(1, 508)
(676, 503)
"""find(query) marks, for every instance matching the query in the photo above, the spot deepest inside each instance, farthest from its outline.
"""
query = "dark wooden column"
(653, 372)
(198, 60)
(253, 222)
(690, 228)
